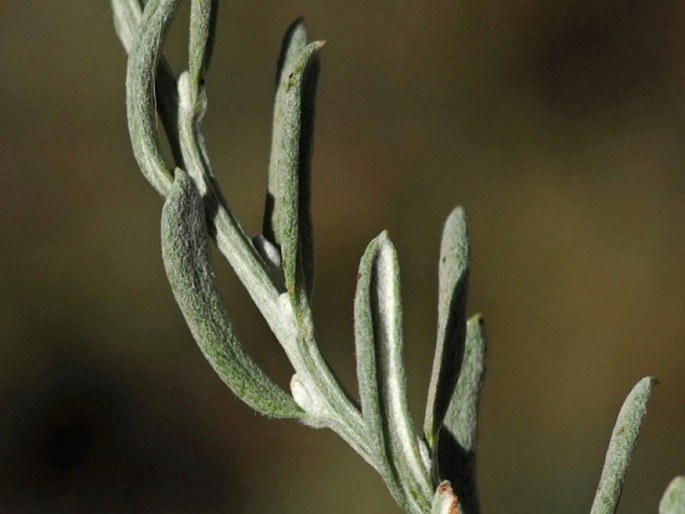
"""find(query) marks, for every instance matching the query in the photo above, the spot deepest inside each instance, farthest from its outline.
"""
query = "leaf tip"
(458, 212)
(457, 217)
(297, 28)
(646, 384)
(673, 500)
(478, 319)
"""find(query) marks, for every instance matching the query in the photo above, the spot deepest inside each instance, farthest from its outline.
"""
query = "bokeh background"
(558, 125)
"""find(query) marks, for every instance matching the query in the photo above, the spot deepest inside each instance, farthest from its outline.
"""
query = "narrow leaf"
(368, 375)
(445, 501)
(127, 16)
(462, 414)
(621, 446)
(382, 378)
(189, 270)
(294, 41)
(202, 32)
(140, 91)
(453, 285)
(673, 500)
(457, 442)
(287, 220)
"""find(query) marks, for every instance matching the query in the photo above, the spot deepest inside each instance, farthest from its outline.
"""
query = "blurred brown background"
(559, 125)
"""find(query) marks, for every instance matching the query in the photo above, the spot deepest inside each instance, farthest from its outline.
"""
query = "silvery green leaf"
(445, 501)
(287, 220)
(382, 379)
(188, 267)
(127, 16)
(368, 374)
(673, 500)
(462, 414)
(294, 42)
(140, 91)
(202, 32)
(453, 284)
(621, 446)
(457, 442)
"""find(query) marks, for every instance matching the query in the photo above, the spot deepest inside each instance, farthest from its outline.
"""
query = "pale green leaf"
(621, 445)
(453, 285)
(368, 375)
(673, 500)
(144, 56)
(287, 220)
(188, 267)
(202, 33)
(294, 42)
(382, 378)
(127, 16)
(457, 441)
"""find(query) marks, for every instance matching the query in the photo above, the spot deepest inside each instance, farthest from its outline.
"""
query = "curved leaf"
(140, 91)
(188, 267)
(127, 15)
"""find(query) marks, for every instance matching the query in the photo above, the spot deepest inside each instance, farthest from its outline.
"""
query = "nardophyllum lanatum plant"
(432, 470)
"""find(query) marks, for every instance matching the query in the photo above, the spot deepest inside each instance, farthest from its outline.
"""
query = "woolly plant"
(431, 470)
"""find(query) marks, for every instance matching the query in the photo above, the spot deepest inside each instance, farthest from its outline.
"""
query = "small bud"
(308, 403)
(445, 501)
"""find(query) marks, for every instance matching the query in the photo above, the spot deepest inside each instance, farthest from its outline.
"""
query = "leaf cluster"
(433, 470)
